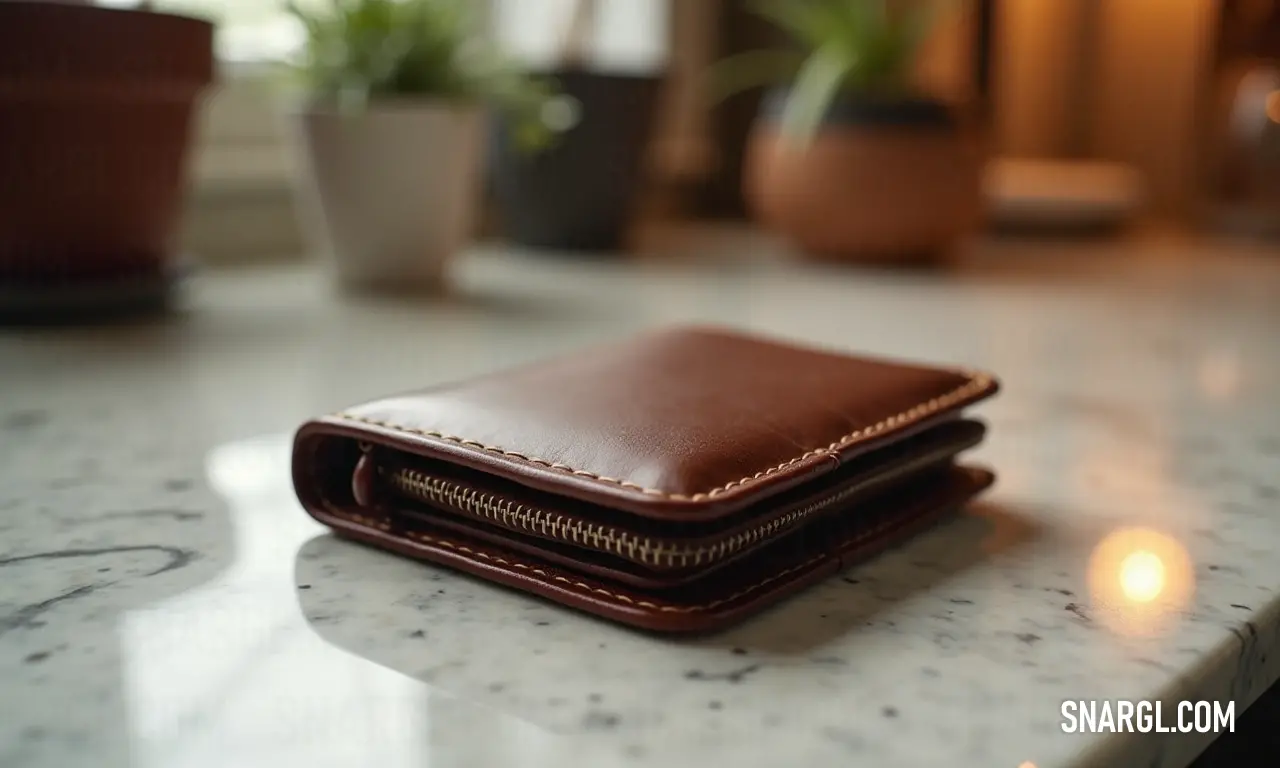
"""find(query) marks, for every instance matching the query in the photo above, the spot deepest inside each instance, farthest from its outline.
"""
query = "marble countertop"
(165, 602)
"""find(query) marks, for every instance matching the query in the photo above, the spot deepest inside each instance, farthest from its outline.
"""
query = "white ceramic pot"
(391, 192)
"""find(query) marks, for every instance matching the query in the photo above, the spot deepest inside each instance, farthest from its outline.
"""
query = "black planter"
(580, 193)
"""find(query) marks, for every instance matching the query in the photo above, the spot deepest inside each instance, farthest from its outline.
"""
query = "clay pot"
(96, 110)
(883, 181)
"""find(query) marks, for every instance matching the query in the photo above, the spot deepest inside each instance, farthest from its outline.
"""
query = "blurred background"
(1093, 114)
(1141, 109)
(1093, 187)
(1139, 106)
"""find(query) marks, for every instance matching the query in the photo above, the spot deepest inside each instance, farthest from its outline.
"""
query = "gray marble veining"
(165, 602)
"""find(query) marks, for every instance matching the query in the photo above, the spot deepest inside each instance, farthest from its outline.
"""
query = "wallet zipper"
(508, 513)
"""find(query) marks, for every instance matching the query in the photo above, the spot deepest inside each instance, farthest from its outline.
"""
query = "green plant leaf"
(802, 19)
(751, 69)
(879, 38)
(814, 89)
(855, 24)
(356, 51)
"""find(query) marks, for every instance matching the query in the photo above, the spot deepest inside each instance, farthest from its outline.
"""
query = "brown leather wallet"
(676, 482)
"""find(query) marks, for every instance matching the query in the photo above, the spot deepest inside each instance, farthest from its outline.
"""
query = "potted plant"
(848, 160)
(392, 133)
(96, 108)
(580, 193)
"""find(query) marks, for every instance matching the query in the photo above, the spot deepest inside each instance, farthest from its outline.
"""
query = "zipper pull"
(364, 477)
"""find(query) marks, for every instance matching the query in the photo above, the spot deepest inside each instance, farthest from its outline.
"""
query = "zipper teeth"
(642, 549)
(522, 517)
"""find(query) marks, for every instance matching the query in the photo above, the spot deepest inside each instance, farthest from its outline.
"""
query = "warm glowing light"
(1273, 106)
(1142, 576)
(1027, 764)
(1139, 581)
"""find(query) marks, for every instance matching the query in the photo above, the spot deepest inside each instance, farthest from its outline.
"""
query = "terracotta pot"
(95, 115)
(882, 181)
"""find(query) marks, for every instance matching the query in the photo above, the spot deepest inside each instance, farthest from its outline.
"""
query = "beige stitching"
(582, 586)
(976, 383)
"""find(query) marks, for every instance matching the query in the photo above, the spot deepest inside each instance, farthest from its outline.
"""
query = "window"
(248, 30)
(630, 34)
(239, 206)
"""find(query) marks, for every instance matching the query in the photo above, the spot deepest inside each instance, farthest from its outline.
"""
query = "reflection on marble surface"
(1140, 580)
(165, 602)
